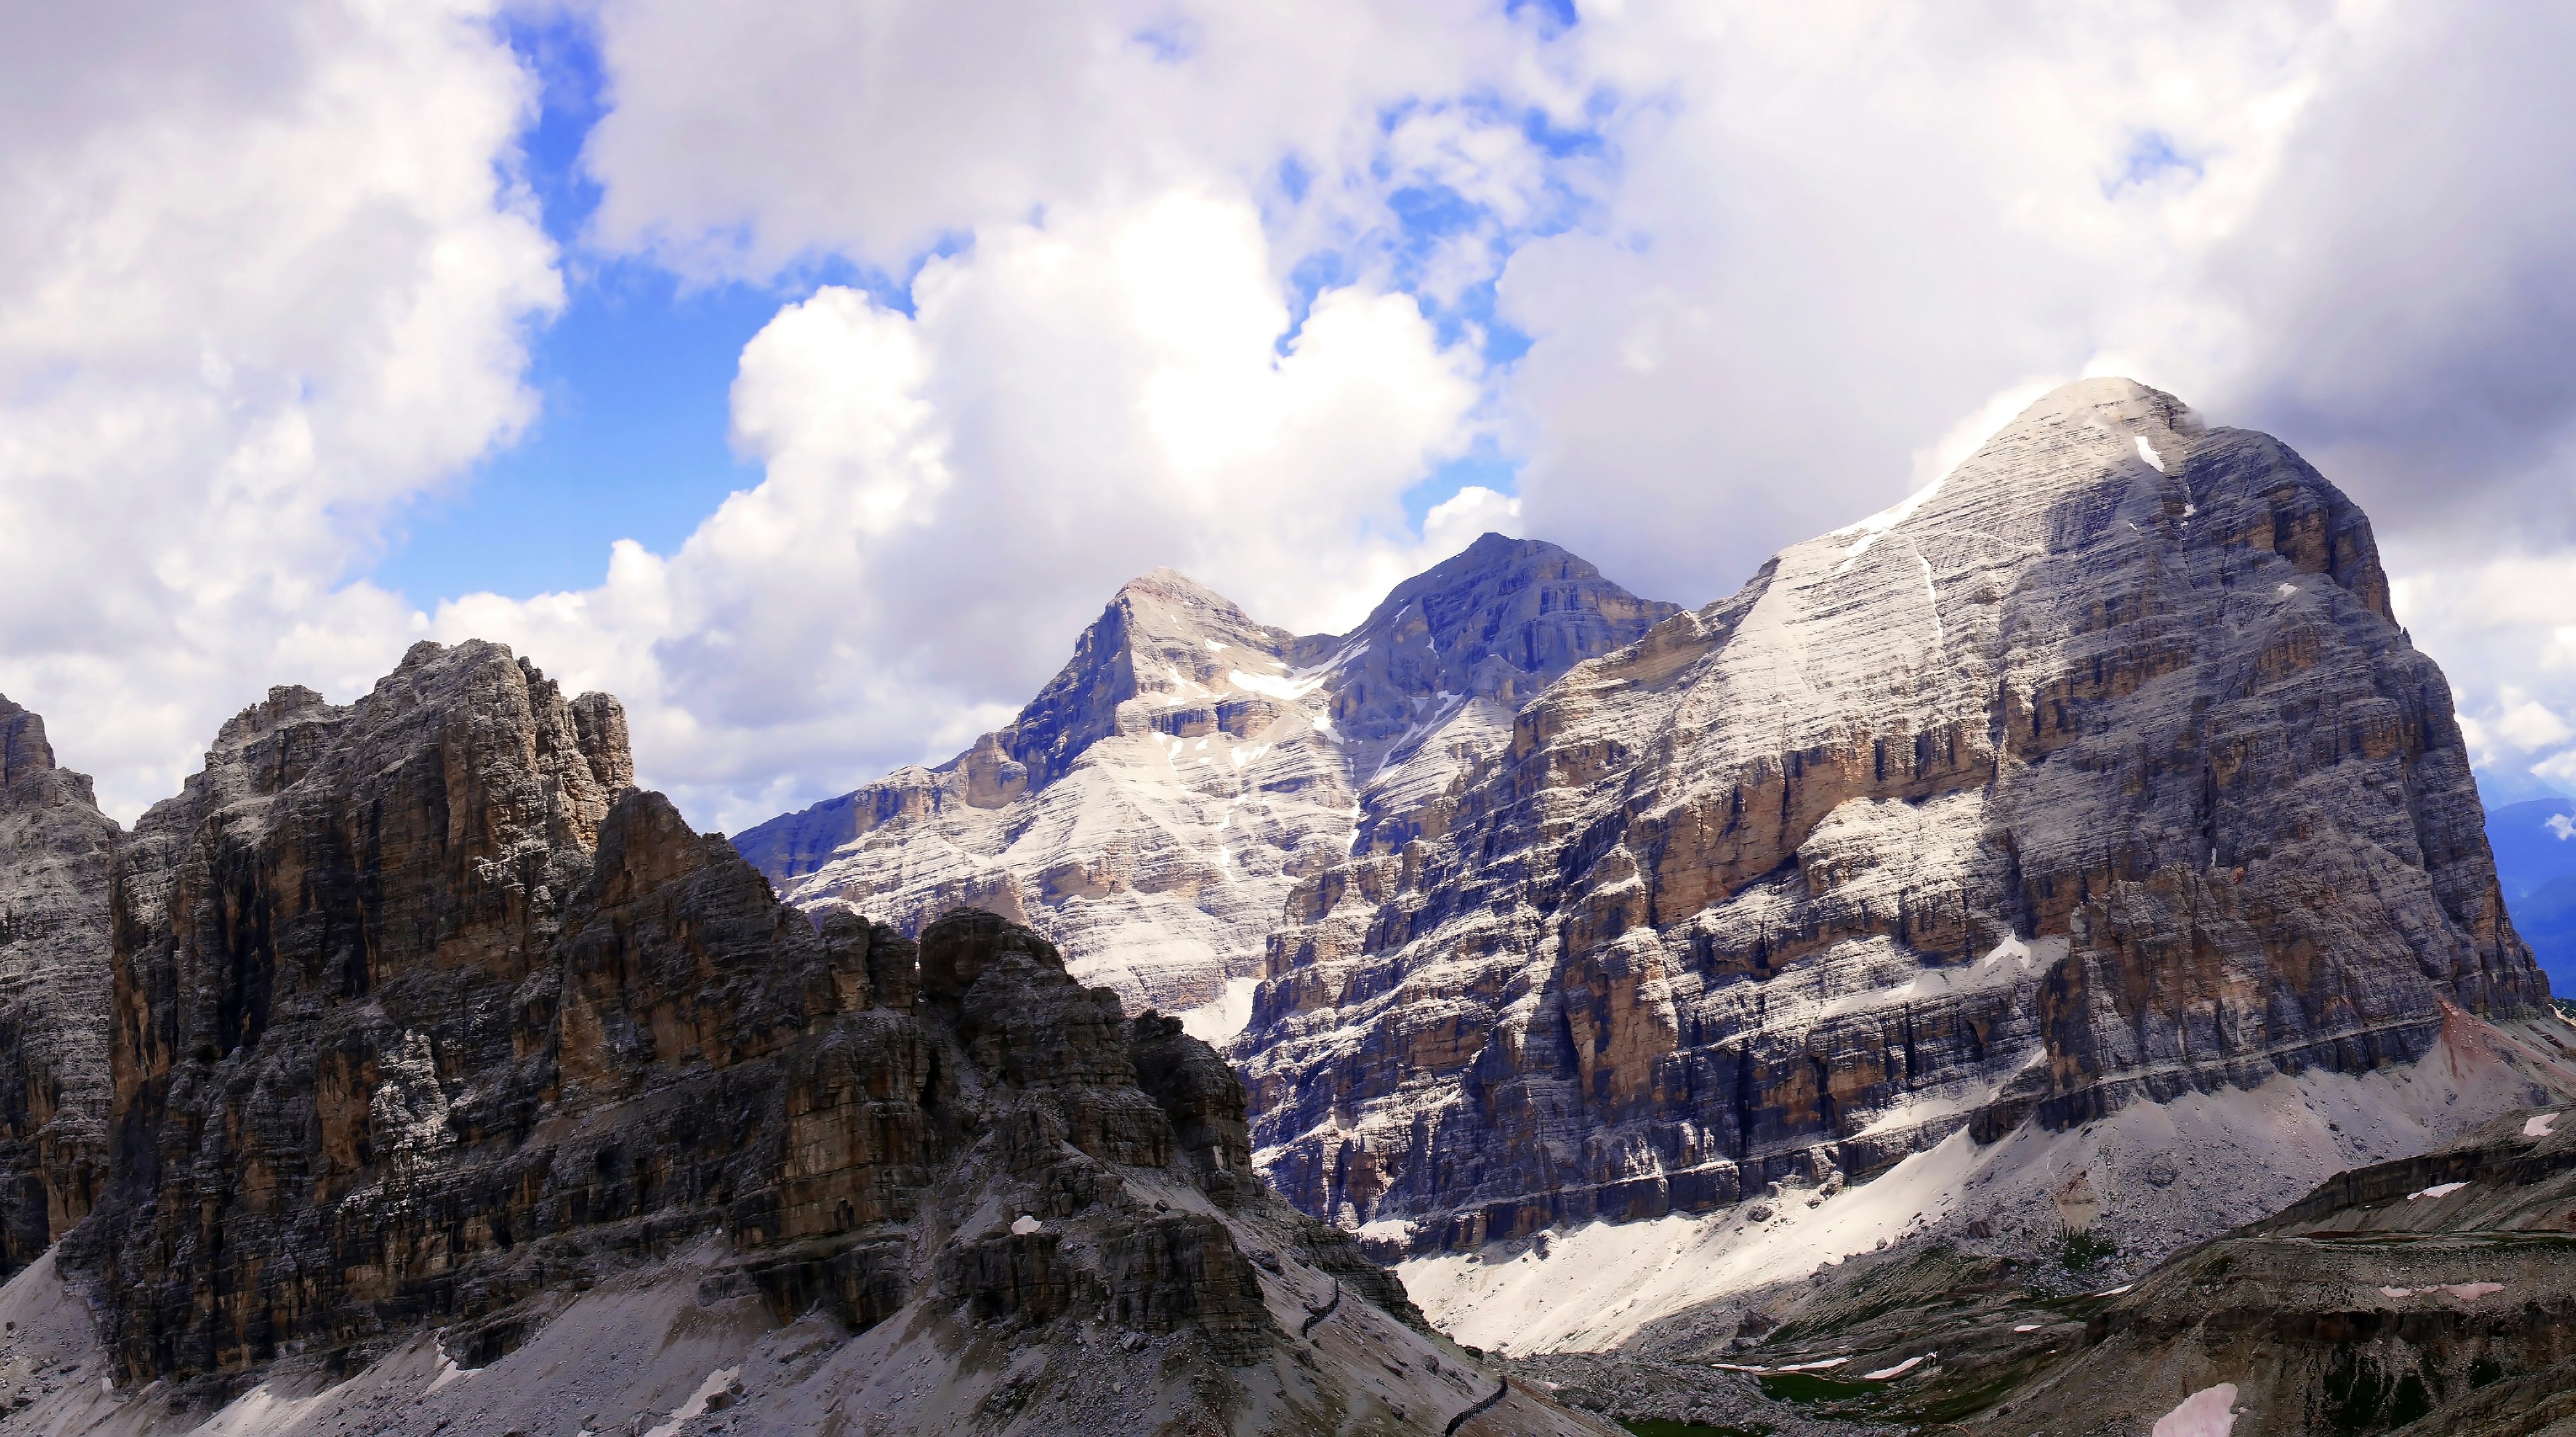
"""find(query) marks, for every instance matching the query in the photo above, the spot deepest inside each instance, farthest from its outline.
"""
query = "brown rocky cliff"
(55, 847)
(417, 1022)
(2098, 773)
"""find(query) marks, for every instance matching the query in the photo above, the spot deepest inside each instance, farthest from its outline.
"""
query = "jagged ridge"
(2097, 772)
(1152, 807)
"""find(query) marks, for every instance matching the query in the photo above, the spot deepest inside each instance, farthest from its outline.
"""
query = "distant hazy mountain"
(2535, 858)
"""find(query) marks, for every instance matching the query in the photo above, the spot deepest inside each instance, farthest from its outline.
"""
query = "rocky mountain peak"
(55, 852)
(429, 1076)
(1497, 622)
(1162, 790)
(2044, 793)
(24, 753)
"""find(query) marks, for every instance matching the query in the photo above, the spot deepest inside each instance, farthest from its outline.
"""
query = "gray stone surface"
(55, 848)
(2099, 772)
(1152, 807)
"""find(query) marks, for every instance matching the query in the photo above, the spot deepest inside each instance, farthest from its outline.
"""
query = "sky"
(809, 376)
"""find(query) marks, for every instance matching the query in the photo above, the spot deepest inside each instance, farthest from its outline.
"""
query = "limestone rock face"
(424, 1017)
(55, 847)
(2097, 772)
(1155, 804)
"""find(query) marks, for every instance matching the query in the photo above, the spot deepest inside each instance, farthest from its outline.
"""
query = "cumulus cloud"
(1129, 283)
(259, 280)
(950, 495)
(745, 137)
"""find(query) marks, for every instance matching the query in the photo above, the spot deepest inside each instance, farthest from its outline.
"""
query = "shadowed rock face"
(1153, 806)
(423, 1015)
(54, 852)
(2098, 772)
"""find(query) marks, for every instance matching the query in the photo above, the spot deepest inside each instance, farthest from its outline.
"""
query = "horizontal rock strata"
(2098, 772)
(54, 852)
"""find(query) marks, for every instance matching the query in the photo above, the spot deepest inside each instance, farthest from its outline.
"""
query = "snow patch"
(1885, 519)
(1272, 685)
(1899, 1370)
(689, 1411)
(2148, 452)
(2203, 1414)
(2026, 1327)
(1026, 1224)
(1230, 1013)
(2436, 1192)
(2538, 1127)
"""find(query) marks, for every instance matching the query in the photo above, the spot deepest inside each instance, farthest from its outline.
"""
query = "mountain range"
(2535, 857)
(1151, 809)
(1997, 907)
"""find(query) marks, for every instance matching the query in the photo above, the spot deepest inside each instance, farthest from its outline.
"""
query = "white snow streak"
(1272, 685)
(1932, 597)
(1885, 519)
(690, 1410)
(2539, 1127)
(2437, 1192)
(1899, 1370)
(2203, 1414)
(1228, 1015)
(2148, 452)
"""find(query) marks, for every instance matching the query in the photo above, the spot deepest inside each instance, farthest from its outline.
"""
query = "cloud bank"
(1293, 301)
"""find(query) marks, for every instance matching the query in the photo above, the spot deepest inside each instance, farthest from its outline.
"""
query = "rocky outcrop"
(2435, 1294)
(2097, 773)
(425, 1021)
(1152, 808)
(54, 852)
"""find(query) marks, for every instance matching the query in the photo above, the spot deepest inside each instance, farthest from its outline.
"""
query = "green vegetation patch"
(2080, 1248)
(1808, 1387)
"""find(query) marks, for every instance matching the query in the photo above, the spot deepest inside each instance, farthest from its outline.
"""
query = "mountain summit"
(1152, 807)
(2094, 776)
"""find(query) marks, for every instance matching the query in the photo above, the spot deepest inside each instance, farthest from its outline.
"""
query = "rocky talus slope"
(2433, 1295)
(54, 853)
(2096, 775)
(1155, 804)
(458, 1087)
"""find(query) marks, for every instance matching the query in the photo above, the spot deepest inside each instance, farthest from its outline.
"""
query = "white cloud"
(262, 276)
(259, 279)
(2528, 724)
(746, 136)
(950, 496)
